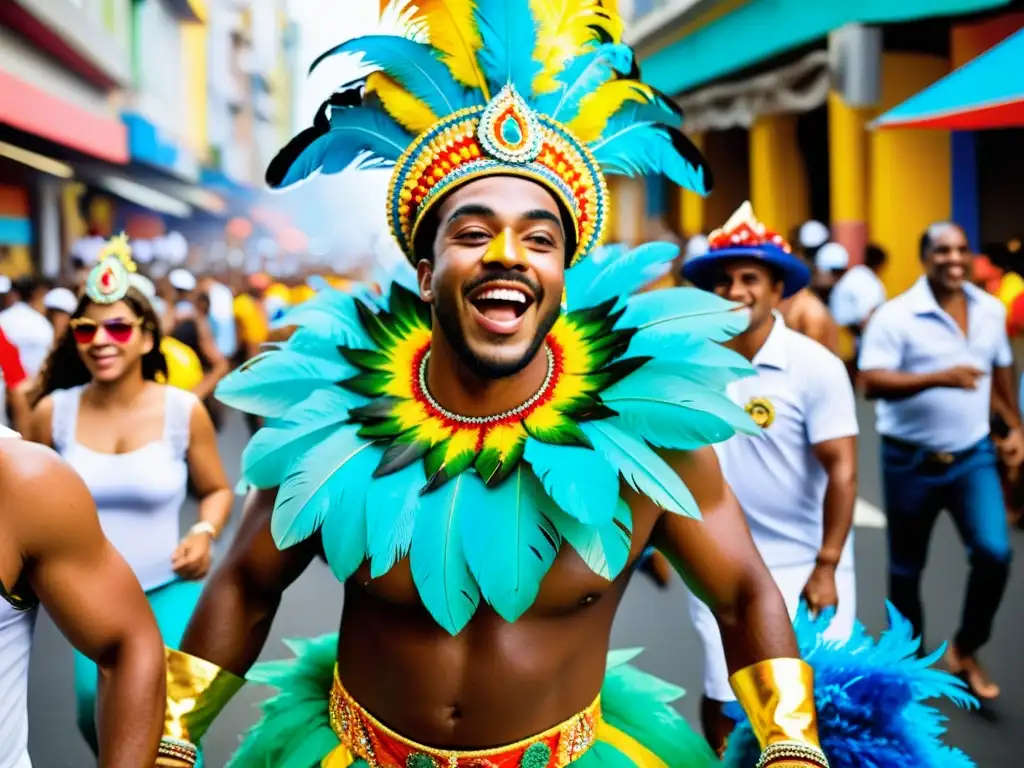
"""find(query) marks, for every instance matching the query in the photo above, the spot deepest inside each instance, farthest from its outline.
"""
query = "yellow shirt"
(184, 370)
(251, 319)
(1011, 286)
(301, 293)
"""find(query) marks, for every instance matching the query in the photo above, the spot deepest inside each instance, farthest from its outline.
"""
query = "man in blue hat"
(797, 480)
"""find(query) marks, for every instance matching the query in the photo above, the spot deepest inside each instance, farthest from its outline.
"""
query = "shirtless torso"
(807, 314)
(494, 682)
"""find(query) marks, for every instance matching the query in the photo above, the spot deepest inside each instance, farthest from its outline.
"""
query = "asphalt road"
(648, 618)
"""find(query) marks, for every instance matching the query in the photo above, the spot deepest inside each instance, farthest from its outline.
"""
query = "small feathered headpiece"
(114, 273)
(540, 89)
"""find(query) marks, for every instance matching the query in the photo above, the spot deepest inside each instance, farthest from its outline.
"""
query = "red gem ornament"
(107, 281)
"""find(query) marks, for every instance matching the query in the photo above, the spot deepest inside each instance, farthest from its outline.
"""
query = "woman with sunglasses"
(136, 443)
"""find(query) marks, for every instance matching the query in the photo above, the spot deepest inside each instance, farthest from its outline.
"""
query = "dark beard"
(486, 369)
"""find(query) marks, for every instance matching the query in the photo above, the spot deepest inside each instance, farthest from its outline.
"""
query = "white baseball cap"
(62, 300)
(813, 234)
(831, 256)
(5, 284)
(182, 279)
(697, 245)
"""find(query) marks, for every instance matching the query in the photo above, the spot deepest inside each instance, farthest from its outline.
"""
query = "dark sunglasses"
(118, 331)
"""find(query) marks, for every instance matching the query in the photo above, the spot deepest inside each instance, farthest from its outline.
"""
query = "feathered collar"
(364, 455)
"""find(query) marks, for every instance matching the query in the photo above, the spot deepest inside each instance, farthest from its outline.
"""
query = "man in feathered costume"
(481, 454)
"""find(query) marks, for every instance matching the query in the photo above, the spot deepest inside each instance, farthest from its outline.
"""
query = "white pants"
(791, 581)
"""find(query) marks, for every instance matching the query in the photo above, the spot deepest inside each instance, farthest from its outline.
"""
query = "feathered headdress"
(540, 89)
(114, 273)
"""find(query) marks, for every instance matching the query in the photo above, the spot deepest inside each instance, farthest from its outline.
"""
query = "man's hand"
(1011, 449)
(820, 592)
(960, 377)
(192, 558)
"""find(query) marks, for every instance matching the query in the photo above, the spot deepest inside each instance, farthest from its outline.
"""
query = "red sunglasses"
(118, 331)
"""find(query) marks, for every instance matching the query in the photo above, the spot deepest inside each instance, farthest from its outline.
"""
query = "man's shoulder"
(23, 462)
(809, 357)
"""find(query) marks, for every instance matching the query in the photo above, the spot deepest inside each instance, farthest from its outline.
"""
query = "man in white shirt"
(937, 359)
(797, 481)
(859, 292)
(25, 324)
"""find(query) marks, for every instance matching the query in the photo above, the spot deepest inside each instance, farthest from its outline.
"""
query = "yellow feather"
(597, 107)
(415, 116)
(504, 437)
(452, 30)
(565, 28)
(544, 417)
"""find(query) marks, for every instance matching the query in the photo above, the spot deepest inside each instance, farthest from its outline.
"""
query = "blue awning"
(756, 30)
(987, 92)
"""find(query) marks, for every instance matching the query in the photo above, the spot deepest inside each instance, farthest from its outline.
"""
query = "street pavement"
(650, 618)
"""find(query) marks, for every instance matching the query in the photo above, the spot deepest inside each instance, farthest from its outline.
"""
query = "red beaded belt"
(381, 747)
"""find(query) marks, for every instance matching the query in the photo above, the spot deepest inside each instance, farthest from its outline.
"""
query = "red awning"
(31, 109)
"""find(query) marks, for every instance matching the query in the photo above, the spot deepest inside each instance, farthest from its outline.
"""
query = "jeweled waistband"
(380, 747)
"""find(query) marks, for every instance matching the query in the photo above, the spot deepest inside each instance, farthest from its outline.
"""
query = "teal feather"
(605, 547)
(508, 542)
(670, 412)
(359, 137)
(620, 273)
(634, 148)
(508, 32)
(331, 476)
(415, 66)
(583, 75)
(697, 360)
(330, 316)
(272, 382)
(673, 311)
(271, 450)
(644, 470)
(579, 480)
(437, 559)
(391, 507)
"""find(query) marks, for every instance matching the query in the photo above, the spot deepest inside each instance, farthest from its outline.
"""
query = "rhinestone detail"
(487, 419)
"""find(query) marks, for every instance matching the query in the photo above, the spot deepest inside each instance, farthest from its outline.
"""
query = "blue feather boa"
(870, 697)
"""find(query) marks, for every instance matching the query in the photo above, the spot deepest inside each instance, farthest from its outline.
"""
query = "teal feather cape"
(364, 457)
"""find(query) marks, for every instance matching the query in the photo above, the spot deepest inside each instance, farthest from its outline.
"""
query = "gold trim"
(778, 697)
(197, 691)
(352, 724)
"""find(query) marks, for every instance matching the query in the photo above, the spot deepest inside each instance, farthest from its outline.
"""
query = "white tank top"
(16, 626)
(138, 494)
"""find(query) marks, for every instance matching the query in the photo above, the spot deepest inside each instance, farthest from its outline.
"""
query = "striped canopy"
(987, 92)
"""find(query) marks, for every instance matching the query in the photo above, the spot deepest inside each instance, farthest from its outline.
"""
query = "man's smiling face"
(498, 268)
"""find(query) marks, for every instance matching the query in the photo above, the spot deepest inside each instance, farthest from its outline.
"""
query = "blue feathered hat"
(744, 237)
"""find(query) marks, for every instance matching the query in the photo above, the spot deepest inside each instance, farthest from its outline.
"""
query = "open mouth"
(500, 308)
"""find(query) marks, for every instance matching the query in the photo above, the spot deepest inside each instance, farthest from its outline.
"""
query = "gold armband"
(196, 693)
(778, 697)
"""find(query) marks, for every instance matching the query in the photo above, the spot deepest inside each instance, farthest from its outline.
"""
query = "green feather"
(401, 453)
(365, 359)
(490, 466)
(509, 543)
(605, 547)
(438, 563)
(381, 429)
(565, 431)
(376, 410)
(440, 471)
(367, 383)
(376, 327)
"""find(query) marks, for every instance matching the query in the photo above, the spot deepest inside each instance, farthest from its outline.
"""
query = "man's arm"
(839, 459)
(230, 624)
(94, 598)
(232, 620)
(218, 364)
(820, 326)
(717, 556)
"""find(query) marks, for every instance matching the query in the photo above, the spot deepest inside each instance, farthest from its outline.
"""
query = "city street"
(649, 618)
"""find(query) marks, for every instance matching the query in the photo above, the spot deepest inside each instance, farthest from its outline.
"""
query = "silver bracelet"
(203, 526)
(792, 750)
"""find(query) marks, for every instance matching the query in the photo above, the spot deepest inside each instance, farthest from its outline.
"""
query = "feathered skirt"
(637, 724)
(870, 697)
